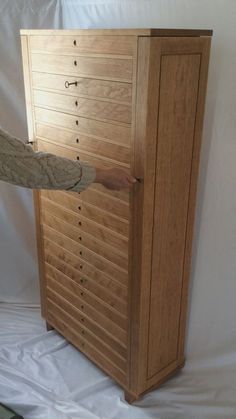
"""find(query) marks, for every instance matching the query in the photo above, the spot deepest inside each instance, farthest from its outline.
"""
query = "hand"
(114, 178)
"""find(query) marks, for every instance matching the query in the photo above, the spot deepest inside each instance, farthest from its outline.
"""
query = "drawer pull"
(77, 122)
(77, 157)
(75, 62)
(80, 223)
(77, 140)
(79, 208)
(81, 253)
(80, 238)
(82, 294)
(81, 266)
(67, 84)
(76, 103)
(74, 42)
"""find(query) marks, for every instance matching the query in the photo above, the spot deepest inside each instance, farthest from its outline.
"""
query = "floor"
(44, 377)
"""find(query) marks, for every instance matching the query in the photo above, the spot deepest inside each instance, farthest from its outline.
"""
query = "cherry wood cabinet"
(114, 265)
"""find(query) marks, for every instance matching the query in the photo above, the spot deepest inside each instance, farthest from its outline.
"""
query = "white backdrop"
(212, 317)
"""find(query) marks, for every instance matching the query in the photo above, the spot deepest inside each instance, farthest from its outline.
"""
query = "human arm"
(22, 166)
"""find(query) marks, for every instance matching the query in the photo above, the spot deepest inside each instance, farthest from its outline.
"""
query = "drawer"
(92, 67)
(47, 147)
(89, 108)
(98, 129)
(90, 351)
(85, 282)
(82, 223)
(90, 260)
(82, 241)
(81, 44)
(116, 284)
(84, 321)
(56, 280)
(89, 211)
(87, 335)
(85, 240)
(113, 91)
(82, 142)
(101, 200)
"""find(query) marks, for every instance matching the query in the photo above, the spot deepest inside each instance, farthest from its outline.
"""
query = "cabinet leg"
(49, 327)
(130, 398)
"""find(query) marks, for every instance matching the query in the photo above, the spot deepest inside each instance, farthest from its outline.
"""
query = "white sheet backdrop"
(212, 331)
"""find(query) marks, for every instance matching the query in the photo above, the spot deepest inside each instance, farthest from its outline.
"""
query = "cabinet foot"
(130, 398)
(49, 327)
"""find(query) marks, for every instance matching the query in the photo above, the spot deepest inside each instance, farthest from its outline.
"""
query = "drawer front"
(88, 335)
(123, 195)
(69, 330)
(116, 133)
(88, 258)
(87, 240)
(91, 212)
(115, 284)
(85, 322)
(57, 281)
(92, 67)
(80, 44)
(81, 142)
(89, 108)
(103, 201)
(117, 241)
(97, 89)
(85, 282)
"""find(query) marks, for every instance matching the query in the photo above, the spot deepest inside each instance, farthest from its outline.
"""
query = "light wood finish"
(81, 142)
(90, 324)
(85, 224)
(119, 32)
(119, 134)
(86, 303)
(92, 212)
(78, 44)
(109, 91)
(119, 69)
(94, 262)
(90, 108)
(115, 265)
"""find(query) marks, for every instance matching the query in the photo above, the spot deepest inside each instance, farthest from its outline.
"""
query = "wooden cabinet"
(115, 265)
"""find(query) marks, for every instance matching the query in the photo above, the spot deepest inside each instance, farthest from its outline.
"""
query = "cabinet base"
(49, 327)
(131, 397)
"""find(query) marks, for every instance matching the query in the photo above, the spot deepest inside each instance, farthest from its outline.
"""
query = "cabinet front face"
(82, 93)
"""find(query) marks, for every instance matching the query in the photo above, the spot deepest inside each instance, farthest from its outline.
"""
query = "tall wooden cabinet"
(114, 265)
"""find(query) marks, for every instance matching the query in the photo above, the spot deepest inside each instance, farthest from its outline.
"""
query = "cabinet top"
(132, 32)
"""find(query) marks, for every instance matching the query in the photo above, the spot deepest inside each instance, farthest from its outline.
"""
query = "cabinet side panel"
(179, 82)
